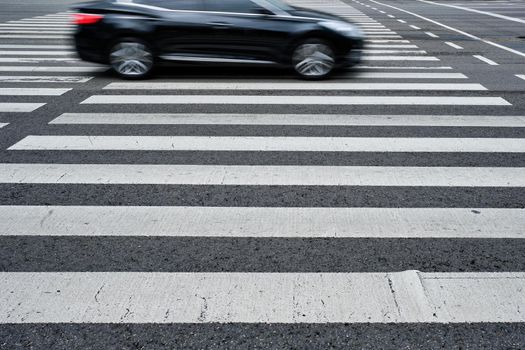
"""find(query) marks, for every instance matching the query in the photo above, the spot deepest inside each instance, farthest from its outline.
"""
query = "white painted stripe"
(411, 75)
(9, 107)
(261, 222)
(297, 100)
(383, 36)
(3, 124)
(291, 119)
(360, 75)
(521, 76)
(32, 25)
(261, 297)
(377, 31)
(262, 175)
(293, 86)
(506, 48)
(34, 47)
(453, 45)
(397, 51)
(432, 35)
(11, 29)
(391, 16)
(36, 53)
(497, 15)
(379, 41)
(32, 92)
(402, 68)
(34, 36)
(390, 46)
(486, 60)
(41, 30)
(38, 24)
(414, 27)
(375, 34)
(38, 59)
(46, 20)
(401, 21)
(52, 69)
(400, 58)
(270, 143)
(43, 79)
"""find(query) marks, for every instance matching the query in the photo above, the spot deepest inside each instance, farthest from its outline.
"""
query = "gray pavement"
(241, 243)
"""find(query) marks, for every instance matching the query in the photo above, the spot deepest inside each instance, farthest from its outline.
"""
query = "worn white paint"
(291, 119)
(270, 143)
(339, 86)
(43, 79)
(297, 100)
(32, 91)
(157, 297)
(197, 221)
(36, 53)
(13, 107)
(262, 175)
(400, 58)
(486, 60)
(455, 46)
(54, 69)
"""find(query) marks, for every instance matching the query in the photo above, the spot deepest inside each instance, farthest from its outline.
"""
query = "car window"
(237, 6)
(188, 5)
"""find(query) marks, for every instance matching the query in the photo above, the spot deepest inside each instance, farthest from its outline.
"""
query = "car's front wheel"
(131, 59)
(313, 59)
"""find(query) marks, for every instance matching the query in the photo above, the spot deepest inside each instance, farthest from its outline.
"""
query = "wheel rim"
(131, 58)
(313, 59)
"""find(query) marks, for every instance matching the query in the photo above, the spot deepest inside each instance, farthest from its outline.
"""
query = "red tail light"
(86, 18)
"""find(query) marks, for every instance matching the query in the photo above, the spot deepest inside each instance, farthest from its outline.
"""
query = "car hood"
(304, 12)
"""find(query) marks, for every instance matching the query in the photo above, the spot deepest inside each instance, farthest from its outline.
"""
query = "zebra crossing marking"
(13, 107)
(297, 100)
(29, 59)
(286, 222)
(279, 175)
(292, 86)
(290, 119)
(32, 91)
(33, 47)
(270, 144)
(36, 53)
(54, 69)
(400, 58)
(220, 297)
(43, 79)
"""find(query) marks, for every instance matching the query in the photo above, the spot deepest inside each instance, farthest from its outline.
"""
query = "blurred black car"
(132, 35)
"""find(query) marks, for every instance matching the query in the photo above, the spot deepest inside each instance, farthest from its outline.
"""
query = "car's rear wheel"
(313, 59)
(131, 59)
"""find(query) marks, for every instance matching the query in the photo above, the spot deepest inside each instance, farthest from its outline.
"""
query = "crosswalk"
(38, 45)
(382, 153)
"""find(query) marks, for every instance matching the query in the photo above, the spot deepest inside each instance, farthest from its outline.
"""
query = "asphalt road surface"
(218, 208)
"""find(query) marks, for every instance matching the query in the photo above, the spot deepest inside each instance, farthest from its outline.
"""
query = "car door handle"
(219, 24)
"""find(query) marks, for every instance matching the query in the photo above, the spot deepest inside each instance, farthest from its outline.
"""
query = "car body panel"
(206, 36)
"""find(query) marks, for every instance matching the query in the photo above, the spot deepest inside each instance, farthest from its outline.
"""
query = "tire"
(313, 59)
(131, 58)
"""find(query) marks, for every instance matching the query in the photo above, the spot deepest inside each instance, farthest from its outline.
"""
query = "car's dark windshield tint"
(237, 6)
(188, 5)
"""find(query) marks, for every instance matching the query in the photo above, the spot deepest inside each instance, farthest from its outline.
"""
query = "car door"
(245, 30)
(182, 31)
